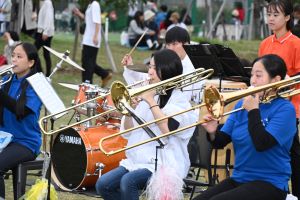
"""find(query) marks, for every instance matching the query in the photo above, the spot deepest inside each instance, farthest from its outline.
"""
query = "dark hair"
(284, 6)
(168, 65)
(297, 7)
(14, 35)
(238, 5)
(274, 65)
(32, 54)
(296, 29)
(177, 34)
(164, 8)
(137, 18)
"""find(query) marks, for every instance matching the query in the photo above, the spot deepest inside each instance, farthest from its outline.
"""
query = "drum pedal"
(99, 168)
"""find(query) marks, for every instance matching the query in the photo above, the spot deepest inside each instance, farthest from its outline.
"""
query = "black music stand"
(222, 59)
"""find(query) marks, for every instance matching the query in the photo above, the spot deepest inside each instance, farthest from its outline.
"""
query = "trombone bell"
(214, 102)
(120, 95)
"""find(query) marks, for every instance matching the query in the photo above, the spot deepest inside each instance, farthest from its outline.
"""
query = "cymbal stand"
(58, 65)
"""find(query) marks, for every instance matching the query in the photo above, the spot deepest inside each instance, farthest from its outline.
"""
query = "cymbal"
(138, 68)
(64, 57)
(70, 86)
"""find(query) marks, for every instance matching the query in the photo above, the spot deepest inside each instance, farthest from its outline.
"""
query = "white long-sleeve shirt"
(46, 19)
(175, 153)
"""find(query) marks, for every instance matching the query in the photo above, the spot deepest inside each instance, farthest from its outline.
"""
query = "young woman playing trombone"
(133, 173)
(262, 135)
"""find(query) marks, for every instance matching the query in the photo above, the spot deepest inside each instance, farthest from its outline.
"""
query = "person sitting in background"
(137, 28)
(161, 15)
(175, 19)
(11, 38)
(150, 23)
(262, 135)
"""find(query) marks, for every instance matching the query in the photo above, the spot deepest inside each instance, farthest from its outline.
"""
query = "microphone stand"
(141, 121)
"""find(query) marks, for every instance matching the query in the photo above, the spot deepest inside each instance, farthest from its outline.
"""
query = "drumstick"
(136, 44)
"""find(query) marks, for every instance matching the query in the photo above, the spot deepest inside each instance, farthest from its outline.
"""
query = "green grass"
(64, 41)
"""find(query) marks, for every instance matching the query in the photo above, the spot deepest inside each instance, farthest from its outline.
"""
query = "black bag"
(82, 28)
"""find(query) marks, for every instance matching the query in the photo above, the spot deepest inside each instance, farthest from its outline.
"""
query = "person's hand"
(135, 101)
(76, 11)
(210, 125)
(44, 37)
(251, 102)
(34, 16)
(151, 33)
(7, 36)
(148, 96)
(127, 60)
(95, 40)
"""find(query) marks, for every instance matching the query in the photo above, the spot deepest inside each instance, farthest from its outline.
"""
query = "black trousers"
(88, 59)
(10, 157)
(39, 42)
(232, 190)
(295, 164)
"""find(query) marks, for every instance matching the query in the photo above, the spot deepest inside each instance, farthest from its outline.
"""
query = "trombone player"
(133, 173)
(262, 136)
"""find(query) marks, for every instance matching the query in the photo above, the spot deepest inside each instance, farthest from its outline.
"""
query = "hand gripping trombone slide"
(215, 102)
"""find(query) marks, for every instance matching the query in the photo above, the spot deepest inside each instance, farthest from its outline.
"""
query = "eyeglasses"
(151, 66)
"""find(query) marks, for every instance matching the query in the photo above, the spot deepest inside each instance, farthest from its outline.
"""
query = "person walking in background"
(91, 43)
(5, 15)
(286, 45)
(28, 17)
(45, 32)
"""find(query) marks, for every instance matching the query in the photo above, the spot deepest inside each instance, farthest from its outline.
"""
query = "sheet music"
(47, 94)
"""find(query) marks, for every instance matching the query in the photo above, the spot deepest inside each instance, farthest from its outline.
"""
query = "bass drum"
(76, 157)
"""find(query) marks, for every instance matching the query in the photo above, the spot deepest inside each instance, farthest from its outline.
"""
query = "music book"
(47, 94)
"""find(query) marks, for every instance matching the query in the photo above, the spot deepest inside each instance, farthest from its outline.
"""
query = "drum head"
(69, 158)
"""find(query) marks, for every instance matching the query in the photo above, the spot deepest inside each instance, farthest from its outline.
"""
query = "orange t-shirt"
(288, 48)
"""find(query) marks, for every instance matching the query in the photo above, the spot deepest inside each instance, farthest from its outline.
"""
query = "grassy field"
(64, 41)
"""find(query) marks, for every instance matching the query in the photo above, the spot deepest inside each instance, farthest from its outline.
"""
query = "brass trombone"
(215, 102)
(118, 90)
(9, 71)
(121, 95)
